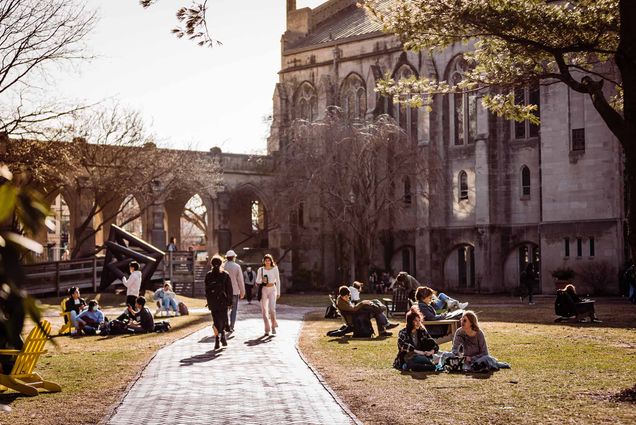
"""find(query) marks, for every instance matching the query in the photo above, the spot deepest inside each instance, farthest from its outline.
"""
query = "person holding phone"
(269, 280)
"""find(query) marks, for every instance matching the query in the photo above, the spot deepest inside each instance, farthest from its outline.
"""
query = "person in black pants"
(218, 292)
(142, 316)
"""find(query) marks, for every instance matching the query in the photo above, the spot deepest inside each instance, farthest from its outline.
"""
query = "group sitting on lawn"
(418, 351)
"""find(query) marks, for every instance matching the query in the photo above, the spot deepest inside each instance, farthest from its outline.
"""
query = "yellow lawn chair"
(22, 378)
(67, 327)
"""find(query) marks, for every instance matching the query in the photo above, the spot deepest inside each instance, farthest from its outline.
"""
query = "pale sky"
(188, 95)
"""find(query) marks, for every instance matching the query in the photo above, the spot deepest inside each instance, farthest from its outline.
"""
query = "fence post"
(94, 274)
(194, 282)
(170, 265)
(57, 277)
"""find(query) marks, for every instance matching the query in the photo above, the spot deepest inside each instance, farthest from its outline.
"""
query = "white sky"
(189, 95)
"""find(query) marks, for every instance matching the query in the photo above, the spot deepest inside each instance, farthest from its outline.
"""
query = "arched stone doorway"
(194, 231)
(517, 260)
(248, 219)
(459, 268)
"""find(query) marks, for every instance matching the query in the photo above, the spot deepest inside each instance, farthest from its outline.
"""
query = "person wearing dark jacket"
(218, 292)
(144, 322)
(348, 310)
(415, 345)
(75, 305)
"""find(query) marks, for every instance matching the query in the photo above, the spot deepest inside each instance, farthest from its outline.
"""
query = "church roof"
(350, 22)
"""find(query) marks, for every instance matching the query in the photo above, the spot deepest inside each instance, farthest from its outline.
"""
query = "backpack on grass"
(362, 326)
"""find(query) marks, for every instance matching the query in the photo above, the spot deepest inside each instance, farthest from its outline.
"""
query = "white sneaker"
(462, 306)
(176, 313)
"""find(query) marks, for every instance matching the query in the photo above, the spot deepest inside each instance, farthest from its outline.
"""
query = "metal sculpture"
(122, 248)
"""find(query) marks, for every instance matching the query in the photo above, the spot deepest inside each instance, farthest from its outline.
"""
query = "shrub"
(597, 276)
(564, 273)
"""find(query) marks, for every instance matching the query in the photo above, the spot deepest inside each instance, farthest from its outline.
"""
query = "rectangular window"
(578, 139)
(579, 247)
(591, 247)
(301, 214)
(567, 246)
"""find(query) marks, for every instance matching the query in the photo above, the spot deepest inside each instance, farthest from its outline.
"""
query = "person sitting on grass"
(470, 342)
(142, 317)
(89, 321)
(166, 300)
(75, 305)
(584, 308)
(348, 310)
(415, 345)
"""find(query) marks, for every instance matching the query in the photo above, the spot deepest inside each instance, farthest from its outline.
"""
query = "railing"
(58, 276)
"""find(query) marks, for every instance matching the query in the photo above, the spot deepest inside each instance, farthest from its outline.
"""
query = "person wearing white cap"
(238, 285)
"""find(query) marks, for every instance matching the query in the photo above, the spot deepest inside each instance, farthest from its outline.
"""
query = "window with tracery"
(463, 108)
(404, 114)
(353, 97)
(306, 103)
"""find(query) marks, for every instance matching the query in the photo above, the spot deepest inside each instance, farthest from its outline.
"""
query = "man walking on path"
(238, 286)
(249, 277)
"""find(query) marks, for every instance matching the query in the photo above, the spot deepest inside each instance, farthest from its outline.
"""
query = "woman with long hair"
(269, 291)
(415, 345)
(470, 342)
(218, 292)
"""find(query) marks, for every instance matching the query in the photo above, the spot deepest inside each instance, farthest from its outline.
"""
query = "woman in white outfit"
(269, 279)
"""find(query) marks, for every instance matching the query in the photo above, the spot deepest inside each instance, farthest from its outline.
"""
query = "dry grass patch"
(93, 371)
(561, 373)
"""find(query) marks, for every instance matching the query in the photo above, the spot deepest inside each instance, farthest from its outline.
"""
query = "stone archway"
(248, 219)
(459, 268)
(516, 261)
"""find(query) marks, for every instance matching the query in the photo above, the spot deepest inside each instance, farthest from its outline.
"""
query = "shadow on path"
(258, 341)
(201, 358)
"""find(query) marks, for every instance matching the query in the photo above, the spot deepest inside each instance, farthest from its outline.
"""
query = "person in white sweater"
(238, 285)
(269, 291)
(132, 283)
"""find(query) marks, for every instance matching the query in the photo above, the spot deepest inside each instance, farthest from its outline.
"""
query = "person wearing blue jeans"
(443, 301)
(238, 285)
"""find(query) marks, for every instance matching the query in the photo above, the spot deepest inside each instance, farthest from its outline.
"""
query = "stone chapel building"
(510, 192)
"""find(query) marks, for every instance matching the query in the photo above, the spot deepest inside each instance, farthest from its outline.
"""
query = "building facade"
(504, 194)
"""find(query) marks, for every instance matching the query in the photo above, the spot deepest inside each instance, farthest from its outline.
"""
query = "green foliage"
(22, 213)
(512, 43)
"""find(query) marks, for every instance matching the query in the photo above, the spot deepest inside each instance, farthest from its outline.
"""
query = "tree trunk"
(626, 61)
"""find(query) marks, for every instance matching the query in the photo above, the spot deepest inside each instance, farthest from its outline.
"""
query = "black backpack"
(215, 291)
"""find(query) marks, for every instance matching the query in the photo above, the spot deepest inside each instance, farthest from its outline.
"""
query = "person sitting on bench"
(424, 296)
(355, 289)
(569, 304)
(415, 345)
(90, 320)
(75, 305)
(348, 310)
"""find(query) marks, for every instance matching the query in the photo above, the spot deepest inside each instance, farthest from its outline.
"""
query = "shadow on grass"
(201, 358)
(420, 376)
(11, 397)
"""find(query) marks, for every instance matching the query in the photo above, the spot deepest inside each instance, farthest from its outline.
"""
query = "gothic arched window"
(407, 191)
(463, 186)
(463, 108)
(305, 102)
(404, 114)
(525, 182)
(353, 97)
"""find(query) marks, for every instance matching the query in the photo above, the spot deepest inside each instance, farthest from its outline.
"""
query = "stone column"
(174, 209)
(156, 216)
(84, 237)
(223, 235)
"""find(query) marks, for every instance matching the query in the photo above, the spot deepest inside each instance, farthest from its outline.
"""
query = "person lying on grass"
(348, 310)
(415, 345)
(470, 342)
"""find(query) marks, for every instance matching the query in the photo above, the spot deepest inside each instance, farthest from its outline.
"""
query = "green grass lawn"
(561, 373)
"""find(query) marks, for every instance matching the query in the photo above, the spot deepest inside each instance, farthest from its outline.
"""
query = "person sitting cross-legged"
(470, 342)
(75, 305)
(415, 345)
(348, 310)
(142, 317)
(89, 321)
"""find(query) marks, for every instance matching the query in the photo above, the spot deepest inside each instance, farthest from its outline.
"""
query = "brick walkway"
(254, 380)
